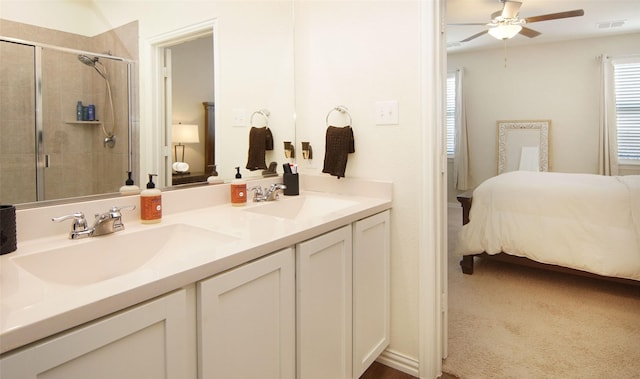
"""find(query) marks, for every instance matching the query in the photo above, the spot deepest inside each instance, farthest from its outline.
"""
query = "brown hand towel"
(268, 142)
(258, 139)
(339, 143)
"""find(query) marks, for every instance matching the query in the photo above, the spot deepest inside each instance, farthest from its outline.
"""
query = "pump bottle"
(238, 190)
(129, 188)
(150, 203)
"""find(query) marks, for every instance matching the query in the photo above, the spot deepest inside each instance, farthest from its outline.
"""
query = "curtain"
(461, 157)
(608, 141)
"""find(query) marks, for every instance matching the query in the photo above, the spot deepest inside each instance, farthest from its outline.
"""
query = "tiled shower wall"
(80, 164)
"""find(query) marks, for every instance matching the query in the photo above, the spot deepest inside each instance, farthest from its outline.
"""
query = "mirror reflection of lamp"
(181, 134)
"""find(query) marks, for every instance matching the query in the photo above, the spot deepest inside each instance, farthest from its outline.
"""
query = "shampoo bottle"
(79, 111)
(238, 190)
(129, 188)
(150, 203)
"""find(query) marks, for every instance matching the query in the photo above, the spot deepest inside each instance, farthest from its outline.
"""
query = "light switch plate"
(387, 112)
(239, 117)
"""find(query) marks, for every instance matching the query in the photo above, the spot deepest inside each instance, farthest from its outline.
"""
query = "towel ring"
(342, 109)
(265, 113)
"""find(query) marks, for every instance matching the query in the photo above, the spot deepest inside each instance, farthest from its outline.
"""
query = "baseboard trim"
(400, 362)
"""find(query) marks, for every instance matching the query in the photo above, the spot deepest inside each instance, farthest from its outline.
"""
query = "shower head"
(88, 60)
(94, 62)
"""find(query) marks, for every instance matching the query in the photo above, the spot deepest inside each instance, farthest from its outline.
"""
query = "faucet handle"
(79, 223)
(115, 210)
(79, 228)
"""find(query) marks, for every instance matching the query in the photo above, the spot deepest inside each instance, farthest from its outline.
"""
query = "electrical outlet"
(387, 112)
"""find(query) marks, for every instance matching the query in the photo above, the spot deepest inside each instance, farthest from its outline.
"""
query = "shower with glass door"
(50, 151)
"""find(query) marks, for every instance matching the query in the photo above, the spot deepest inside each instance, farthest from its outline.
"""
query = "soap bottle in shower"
(79, 111)
(91, 112)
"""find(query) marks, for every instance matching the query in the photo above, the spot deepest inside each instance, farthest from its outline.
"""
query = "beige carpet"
(507, 321)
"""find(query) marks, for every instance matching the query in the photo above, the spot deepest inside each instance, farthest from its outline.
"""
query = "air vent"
(610, 24)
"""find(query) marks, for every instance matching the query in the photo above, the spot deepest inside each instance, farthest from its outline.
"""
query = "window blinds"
(627, 90)
(451, 114)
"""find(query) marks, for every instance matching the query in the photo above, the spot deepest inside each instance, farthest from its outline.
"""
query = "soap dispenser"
(150, 203)
(129, 188)
(238, 190)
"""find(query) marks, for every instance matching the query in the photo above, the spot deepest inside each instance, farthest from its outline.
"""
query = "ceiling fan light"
(505, 31)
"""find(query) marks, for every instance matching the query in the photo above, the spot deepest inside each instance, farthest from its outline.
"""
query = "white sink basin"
(96, 259)
(303, 206)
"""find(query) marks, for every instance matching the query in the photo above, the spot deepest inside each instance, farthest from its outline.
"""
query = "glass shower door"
(17, 124)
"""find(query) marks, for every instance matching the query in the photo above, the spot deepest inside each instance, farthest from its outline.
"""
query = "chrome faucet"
(274, 191)
(79, 228)
(105, 223)
(109, 222)
(267, 194)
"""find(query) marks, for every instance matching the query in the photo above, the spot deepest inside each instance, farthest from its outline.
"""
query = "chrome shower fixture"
(87, 60)
(94, 62)
(109, 140)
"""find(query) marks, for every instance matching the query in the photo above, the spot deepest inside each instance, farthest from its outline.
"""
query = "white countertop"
(32, 308)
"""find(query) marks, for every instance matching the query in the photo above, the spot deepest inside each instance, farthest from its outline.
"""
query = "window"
(451, 114)
(627, 92)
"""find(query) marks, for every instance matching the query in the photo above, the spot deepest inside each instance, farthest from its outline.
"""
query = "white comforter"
(582, 221)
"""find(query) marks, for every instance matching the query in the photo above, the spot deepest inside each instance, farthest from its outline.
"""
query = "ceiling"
(587, 26)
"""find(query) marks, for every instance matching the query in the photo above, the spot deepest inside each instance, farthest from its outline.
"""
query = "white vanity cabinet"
(371, 290)
(246, 320)
(146, 341)
(343, 299)
(323, 302)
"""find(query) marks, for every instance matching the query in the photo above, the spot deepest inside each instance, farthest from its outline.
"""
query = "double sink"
(93, 260)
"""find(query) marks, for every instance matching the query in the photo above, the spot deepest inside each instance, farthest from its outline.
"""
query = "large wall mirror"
(253, 70)
(523, 145)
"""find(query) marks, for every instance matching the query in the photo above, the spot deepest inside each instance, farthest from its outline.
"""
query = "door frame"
(161, 92)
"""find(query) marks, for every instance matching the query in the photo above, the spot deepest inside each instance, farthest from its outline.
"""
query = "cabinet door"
(371, 290)
(246, 320)
(147, 341)
(323, 283)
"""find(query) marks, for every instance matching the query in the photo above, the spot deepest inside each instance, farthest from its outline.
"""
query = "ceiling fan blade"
(511, 9)
(475, 36)
(529, 32)
(555, 16)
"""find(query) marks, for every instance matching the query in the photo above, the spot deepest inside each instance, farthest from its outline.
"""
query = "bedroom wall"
(556, 81)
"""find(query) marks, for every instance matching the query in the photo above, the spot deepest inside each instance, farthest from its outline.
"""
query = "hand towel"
(260, 140)
(339, 143)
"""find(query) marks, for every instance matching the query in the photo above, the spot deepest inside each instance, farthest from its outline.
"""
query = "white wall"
(556, 81)
(355, 53)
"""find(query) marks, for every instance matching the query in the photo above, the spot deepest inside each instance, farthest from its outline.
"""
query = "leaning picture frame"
(523, 145)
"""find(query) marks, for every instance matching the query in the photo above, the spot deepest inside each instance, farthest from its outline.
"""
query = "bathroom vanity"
(295, 288)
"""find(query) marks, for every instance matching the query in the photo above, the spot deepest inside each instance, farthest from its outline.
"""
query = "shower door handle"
(47, 161)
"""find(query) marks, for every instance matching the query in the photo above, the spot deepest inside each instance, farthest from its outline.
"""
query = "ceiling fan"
(506, 24)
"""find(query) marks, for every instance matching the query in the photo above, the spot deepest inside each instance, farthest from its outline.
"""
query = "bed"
(579, 223)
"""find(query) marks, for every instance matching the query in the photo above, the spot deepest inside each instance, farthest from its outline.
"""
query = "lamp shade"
(184, 133)
(505, 31)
